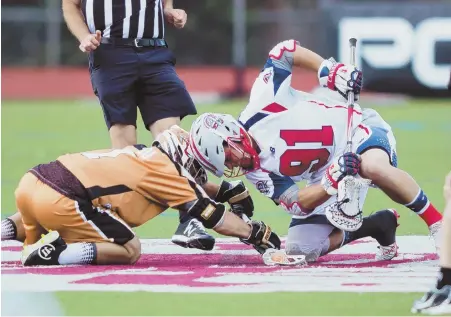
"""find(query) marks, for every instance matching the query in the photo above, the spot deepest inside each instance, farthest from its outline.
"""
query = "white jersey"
(299, 134)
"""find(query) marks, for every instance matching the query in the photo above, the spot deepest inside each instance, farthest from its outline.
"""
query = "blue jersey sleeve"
(280, 61)
(269, 184)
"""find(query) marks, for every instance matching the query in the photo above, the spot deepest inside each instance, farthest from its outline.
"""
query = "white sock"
(9, 230)
(78, 253)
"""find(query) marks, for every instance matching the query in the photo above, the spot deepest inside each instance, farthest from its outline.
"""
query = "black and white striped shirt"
(125, 18)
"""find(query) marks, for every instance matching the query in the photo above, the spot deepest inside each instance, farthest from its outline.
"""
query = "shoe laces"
(41, 241)
(196, 224)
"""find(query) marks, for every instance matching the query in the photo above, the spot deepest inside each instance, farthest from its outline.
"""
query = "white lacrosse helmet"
(175, 143)
(208, 135)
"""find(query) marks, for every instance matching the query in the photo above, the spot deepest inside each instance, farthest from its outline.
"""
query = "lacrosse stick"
(274, 257)
(346, 213)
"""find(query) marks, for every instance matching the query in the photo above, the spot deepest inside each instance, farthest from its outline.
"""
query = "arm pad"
(237, 195)
(208, 212)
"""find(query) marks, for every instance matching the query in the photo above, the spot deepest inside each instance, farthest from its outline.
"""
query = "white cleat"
(386, 253)
(434, 302)
(434, 233)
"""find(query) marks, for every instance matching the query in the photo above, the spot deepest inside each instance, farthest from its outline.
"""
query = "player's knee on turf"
(375, 165)
(133, 248)
(311, 253)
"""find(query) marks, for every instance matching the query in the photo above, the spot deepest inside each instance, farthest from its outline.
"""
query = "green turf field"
(37, 132)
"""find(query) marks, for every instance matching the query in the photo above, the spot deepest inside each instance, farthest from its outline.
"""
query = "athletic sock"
(78, 253)
(368, 228)
(184, 216)
(372, 226)
(445, 278)
(423, 208)
(9, 229)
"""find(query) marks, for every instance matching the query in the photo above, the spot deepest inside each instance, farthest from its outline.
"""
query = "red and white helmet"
(208, 135)
(175, 142)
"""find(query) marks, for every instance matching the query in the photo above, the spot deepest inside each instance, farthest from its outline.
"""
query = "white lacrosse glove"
(347, 164)
(340, 77)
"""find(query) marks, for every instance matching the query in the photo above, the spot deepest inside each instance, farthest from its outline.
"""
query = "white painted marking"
(166, 267)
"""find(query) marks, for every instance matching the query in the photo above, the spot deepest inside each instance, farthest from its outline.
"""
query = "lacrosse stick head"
(350, 192)
(274, 257)
(339, 220)
(346, 212)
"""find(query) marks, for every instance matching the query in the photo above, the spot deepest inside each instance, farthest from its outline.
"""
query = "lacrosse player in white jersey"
(437, 301)
(284, 136)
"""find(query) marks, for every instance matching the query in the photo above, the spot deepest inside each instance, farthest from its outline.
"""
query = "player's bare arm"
(331, 74)
(211, 189)
(305, 58)
(75, 22)
(215, 216)
(312, 196)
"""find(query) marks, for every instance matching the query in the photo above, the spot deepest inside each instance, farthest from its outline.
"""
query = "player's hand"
(176, 17)
(238, 197)
(340, 77)
(90, 42)
(447, 188)
(261, 237)
(347, 164)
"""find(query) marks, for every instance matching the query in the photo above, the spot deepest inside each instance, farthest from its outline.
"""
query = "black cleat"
(192, 234)
(44, 252)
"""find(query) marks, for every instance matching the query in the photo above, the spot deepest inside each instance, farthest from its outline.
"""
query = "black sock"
(445, 279)
(372, 226)
(9, 229)
(184, 216)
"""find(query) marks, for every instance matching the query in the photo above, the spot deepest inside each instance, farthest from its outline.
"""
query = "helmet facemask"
(240, 151)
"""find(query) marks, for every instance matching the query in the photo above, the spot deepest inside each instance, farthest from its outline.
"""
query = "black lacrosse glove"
(356, 81)
(261, 237)
(349, 164)
(238, 197)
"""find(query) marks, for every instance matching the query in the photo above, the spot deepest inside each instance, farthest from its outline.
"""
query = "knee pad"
(311, 253)
(208, 212)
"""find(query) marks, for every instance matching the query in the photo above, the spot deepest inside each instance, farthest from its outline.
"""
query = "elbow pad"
(208, 212)
(289, 202)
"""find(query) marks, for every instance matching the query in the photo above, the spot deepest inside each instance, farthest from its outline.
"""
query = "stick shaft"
(350, 103)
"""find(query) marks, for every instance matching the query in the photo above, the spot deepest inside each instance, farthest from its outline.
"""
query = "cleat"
(192, 234)
(386, 253)
(434, 302)
(44, 252)
(434, 234)
(389, 224)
